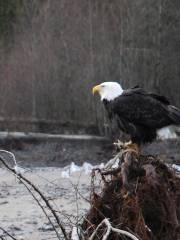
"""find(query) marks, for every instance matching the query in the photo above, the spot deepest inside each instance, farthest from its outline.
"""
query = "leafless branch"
(40, 205)
(48, 205)
(111, 229)
(8, 234)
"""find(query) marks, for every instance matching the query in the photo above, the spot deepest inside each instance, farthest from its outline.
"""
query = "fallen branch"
(40, 205)
(8, 234)
(22, 178)
(111, 229)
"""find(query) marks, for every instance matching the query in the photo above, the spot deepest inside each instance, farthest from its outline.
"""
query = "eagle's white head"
(108, 90)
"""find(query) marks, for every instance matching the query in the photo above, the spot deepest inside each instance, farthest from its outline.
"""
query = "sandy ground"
(19, 213)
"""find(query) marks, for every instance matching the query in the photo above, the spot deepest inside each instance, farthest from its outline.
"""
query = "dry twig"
(48, 205)
(8, 234)
(111, 229)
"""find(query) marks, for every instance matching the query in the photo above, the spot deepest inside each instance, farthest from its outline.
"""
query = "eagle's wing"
(140, 91)
(141, 108)
(160, 98)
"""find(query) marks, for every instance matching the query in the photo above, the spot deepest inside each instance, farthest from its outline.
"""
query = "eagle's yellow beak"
(96, 89)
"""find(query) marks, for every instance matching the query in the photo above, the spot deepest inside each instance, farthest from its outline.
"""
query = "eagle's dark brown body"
(141, 114)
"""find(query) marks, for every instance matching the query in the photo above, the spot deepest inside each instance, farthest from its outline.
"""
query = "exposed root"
(141, 196)
(111, 229)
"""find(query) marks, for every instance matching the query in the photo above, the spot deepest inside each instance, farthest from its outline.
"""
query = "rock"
(4, 202)
(15, 228)
(46, 227)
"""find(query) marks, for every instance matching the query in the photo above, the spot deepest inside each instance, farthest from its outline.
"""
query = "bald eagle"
(137, 112)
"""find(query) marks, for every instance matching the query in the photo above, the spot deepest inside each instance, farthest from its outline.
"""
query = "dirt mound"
(141, 196)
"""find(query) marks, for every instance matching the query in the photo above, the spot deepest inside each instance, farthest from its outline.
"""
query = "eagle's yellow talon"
(127, 146)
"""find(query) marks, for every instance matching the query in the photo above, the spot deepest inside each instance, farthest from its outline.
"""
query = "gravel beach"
(43, 162)
(20, 214)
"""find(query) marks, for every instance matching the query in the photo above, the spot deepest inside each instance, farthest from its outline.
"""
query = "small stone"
(4, 202)
(15, 228)
(46, 227)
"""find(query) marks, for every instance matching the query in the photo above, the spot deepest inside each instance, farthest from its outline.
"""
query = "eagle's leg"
(128, 146)
(132, 146)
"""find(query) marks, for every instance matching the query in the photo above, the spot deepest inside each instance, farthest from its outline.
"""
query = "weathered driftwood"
(141, 196)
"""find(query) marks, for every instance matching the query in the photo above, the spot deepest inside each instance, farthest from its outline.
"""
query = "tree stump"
(141, 196)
